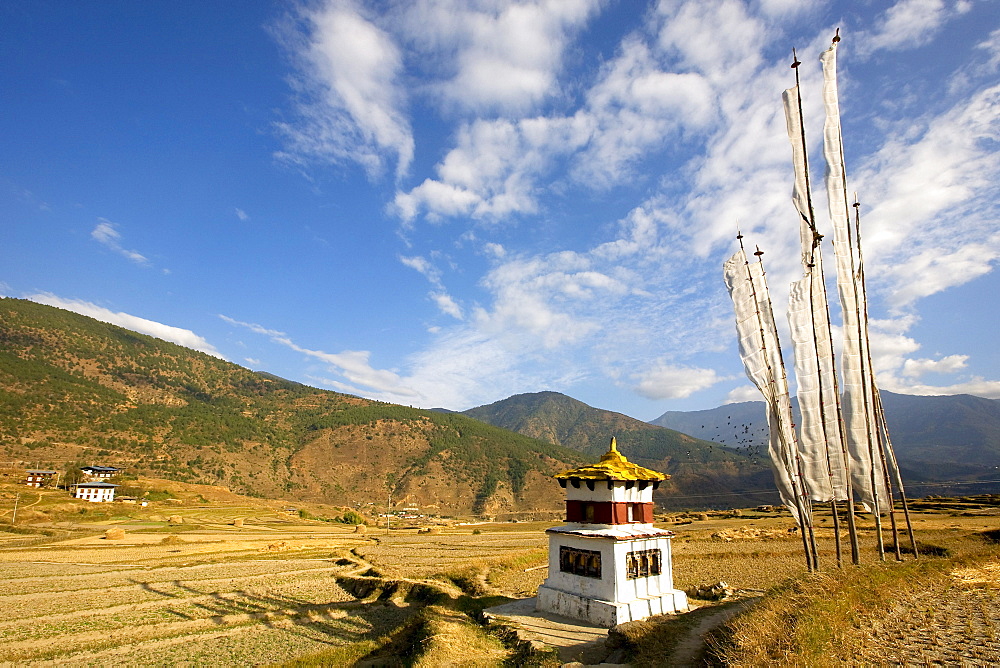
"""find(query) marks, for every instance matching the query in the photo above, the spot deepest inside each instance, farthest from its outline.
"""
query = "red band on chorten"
(608, 512)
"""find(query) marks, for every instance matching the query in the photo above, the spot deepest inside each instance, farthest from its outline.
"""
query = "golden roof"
(613, 466)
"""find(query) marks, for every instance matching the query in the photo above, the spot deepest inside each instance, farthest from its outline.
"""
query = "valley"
(214, 577)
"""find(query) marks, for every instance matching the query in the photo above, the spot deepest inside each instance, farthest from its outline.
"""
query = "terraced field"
(190, 585)
(216, 598)
(201, 590)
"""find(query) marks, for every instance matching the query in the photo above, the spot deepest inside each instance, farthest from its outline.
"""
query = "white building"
(100, 472)
(608, 564)
(96, 492)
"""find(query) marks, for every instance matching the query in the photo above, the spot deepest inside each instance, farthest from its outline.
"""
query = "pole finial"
(836, 36)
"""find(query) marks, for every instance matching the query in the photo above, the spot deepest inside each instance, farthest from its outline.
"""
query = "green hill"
(74, 390)
(703, 473)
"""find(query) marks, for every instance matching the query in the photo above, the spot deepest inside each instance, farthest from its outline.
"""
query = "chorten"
(608, 564)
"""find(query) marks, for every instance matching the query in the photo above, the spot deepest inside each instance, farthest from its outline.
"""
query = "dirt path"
(573, 639)
(23, 506)
(691, 649)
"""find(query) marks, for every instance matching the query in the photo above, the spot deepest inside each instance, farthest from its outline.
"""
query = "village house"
(95, 492)
(40, 478)
(100, 472)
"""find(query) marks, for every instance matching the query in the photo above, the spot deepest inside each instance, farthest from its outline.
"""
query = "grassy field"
(186, 584)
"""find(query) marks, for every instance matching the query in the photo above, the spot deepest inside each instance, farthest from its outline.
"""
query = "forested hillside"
(75, 390)
(703, 473)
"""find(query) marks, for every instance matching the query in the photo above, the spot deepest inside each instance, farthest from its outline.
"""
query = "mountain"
(938, 440)
(75, 391)
(703, 473)
(740, 425)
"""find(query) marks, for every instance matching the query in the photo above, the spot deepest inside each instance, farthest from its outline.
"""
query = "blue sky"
(444, 203)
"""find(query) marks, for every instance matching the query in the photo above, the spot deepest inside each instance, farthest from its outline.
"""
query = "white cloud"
(495, 55)
(546, 297)
(909, 24)
(635, 107)
(991, 47)
(353, 365)
(241, 214)
(493, 170)
(717, 37)
(353, 105)
(936, 192)
(976, 386)
(439, 198)
(744, 393)
(896, 371)
(784, 8)
(919, 368)
(183, 337)
(696, 88)
(445, 302)
(447, 305)
(422, 265)
(666, 381)
(106, 234)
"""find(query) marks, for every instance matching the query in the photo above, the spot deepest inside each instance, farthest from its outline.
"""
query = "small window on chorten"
(580, 562)
(643, 564)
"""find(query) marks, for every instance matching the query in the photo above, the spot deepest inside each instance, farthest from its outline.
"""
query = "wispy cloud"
(909, 24)
(494, 56)
(743, 393)
(352, 365)
(183, 337)
(106, 233)
(444, 301)
(350, 83)
(696, 87)
(666, 381)
(936, 192)
(920, 367)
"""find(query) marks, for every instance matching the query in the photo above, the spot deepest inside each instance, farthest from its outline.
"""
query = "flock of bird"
(745, 438)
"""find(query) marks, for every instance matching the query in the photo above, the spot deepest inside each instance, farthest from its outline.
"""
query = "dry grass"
(452, 639)
(227, 595)
(836, 616)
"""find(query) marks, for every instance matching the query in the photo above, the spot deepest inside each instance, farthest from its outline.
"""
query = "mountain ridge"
(699, 469)
(936, 438)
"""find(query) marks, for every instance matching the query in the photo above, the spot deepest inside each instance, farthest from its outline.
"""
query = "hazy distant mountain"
(77, 391)
(741, 425)
(936, 438)
(700, 469)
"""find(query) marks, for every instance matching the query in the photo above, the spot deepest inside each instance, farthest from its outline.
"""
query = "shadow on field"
(330, 623)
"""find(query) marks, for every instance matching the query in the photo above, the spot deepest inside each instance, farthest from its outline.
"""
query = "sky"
(443, 203)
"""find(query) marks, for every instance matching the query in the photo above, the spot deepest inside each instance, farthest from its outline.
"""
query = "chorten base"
(609, 613)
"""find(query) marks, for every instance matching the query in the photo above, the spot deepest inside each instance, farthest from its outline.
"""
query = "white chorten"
(608, 564)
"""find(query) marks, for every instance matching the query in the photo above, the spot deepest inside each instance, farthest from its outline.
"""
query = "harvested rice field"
(218, 598)
(197, 587)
